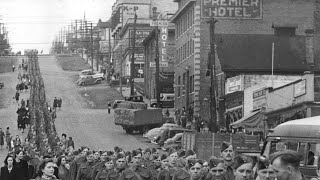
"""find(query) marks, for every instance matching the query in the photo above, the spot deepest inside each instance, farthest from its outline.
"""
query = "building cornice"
(182, 10)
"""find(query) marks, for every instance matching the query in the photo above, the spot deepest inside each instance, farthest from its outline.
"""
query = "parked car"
(1, 85)
(90, 72)
(152, 133)
(166, 101)
(116, 102)
(135, 98)
(88, 80)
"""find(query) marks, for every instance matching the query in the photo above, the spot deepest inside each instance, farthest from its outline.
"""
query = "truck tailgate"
(137, 117)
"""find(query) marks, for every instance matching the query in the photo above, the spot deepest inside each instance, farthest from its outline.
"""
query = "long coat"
(13, 175)
(2, 135)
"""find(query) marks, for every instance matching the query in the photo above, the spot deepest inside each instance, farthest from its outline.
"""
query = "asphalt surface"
(88, 127)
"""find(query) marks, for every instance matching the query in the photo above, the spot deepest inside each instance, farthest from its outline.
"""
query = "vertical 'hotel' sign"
(231, 9)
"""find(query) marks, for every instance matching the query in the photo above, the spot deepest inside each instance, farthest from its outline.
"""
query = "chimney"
(309, 47)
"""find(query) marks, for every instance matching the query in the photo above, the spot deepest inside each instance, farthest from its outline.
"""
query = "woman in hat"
(46, 170)
(243, 168)
(102, 175)
(264, 169)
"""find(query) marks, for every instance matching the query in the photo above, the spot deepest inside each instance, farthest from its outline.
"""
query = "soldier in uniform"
(217, 169)
(102, 175)
(74, 167)
(99, 166)
(135, 171)
(243, 168)
(121, 164)
(164, 170)
(227, 154)
(155, 168)
(173, 156)
(85, 170)
(146, 161)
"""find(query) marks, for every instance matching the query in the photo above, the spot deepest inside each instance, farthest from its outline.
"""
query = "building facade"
(243, 44)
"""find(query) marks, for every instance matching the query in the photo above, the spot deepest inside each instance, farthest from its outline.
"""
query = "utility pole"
(91, 38)
(157, 76)
(121, 60)
(132, 59)
(212, 63)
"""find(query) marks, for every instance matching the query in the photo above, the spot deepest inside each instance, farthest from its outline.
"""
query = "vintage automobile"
(89, 80)
(116, 102)
(135, 98)
(166, 101)
(152, 133)
(90, 72)
(301, 135)
(1, 85)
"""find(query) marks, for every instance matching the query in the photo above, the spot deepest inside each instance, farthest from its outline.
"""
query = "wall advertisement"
(231, 9)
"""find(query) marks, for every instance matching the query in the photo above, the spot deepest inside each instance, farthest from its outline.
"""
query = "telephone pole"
(132, 59)
(212, 63)
(91, 39)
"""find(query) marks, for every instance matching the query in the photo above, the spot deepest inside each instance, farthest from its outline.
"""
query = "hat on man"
(147, 150)
(181, 153)
(225, 145)
(240, 160)
(289, 156)
(214, 162)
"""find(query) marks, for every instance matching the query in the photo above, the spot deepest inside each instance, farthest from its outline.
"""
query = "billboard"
(234, 84)
(231, 9)
(128, 11)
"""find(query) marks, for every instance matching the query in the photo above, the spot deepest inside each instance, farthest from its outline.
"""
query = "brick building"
(243, 45)
(122, 32)
(166, 55)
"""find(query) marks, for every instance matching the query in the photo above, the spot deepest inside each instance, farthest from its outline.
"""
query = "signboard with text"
(163, 43)
(159, 23)
(231, 9)
(161, 64)
(234, 84)
(128, 11)
(140, 36)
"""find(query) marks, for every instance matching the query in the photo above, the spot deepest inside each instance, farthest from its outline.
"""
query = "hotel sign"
(231, 9)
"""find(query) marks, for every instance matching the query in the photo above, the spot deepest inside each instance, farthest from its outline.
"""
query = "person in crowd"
(205, 169)
(55, 102)
(59, 103)
(8, 135)
(21, 164)
(243, 168)
(64, 141)
(182, 169)
(17, 95)
(155, 153)
(146, 159)
(13, 68)
(155, 168)
(109, 165)
(173, 156)
(9, 170)
(17, 143)
(63, 168)
(317, 170)
(264, 170)
(70, 143)
(227, 154)
(164, 170)
(121, 164)
(286, 165)
(2, 136)
(46, 171)
(101, 165)
(217, 169)
(135, 170)
(96, 157)
(23, 103)
(109, 107)
(195, 167)
(85, 170)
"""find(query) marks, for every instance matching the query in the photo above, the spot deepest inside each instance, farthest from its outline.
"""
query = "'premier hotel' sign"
(231, 9)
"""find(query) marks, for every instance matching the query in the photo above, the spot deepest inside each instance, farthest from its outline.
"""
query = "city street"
(88, 127)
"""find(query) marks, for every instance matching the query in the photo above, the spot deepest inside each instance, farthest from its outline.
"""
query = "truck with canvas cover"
(138, 119)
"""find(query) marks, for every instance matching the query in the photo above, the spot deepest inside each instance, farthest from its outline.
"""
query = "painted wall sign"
(233, 9)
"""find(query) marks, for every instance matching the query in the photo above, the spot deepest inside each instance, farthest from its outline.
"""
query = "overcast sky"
(33, 24)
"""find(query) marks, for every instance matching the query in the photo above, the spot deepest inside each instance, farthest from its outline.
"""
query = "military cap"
(214, 162)
(240, 160)
(181, 153)
(288, 157)
(225, 145)
(190, 152)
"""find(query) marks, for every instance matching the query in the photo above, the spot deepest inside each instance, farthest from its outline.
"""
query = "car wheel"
(82, 84)
(98, 81)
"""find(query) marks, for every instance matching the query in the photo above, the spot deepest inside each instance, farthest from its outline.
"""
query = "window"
(192, 17)
(188, 48)
(285, 31)
(179, 88)
(188, 21)
(184, 84)
(191, 87)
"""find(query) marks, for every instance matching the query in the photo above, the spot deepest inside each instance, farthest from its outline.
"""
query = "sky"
(34, 24)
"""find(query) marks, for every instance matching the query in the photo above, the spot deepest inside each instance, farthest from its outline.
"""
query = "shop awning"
(251, 122)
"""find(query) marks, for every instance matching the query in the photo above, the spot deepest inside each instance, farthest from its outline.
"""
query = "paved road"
(88, 127)
(8, 115)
